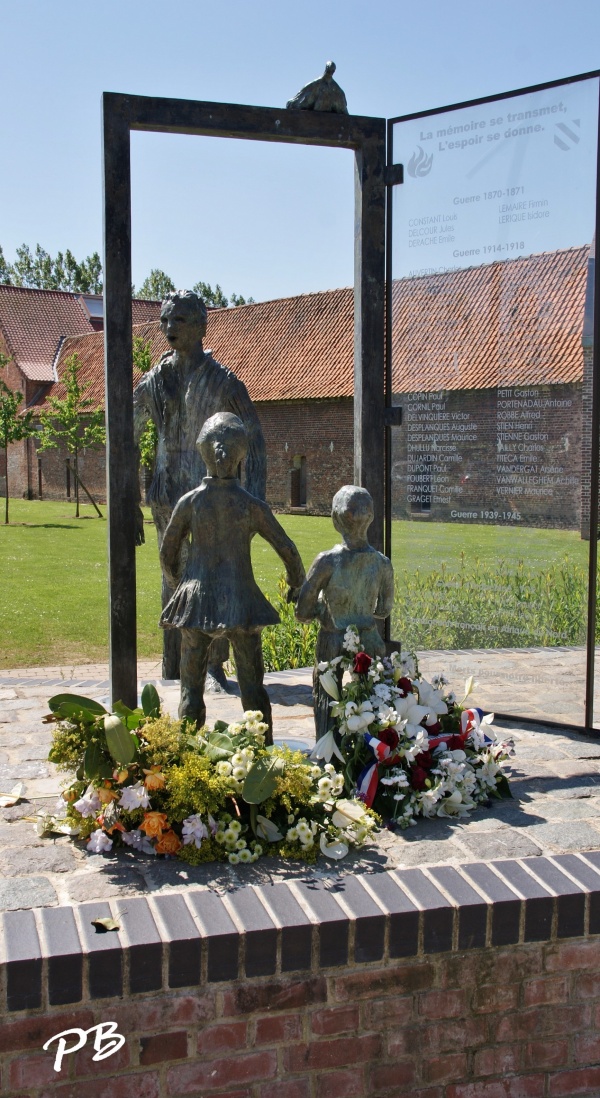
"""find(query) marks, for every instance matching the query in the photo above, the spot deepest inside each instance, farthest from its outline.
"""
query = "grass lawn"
(53, 595)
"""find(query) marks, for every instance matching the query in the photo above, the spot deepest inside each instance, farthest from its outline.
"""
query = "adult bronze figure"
(184, 389)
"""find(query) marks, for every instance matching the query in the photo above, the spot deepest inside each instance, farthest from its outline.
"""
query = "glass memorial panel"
(492, 273)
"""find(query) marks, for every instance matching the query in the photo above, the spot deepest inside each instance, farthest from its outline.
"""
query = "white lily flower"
(326, 748)
(194, 831)
(329, 683)
(267, 829)
(134, 796)
(334, 850)
(90, 804)
(347, 812)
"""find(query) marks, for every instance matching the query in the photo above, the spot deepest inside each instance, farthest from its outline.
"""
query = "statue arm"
(385, 599)
(271, 530)
(309, 605)
(141, 415)
(174, 536)
(256, 458)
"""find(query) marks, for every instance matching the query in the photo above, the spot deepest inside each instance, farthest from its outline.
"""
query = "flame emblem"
(419, 164)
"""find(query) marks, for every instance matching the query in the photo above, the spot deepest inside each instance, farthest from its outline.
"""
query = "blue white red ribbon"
(368, 779)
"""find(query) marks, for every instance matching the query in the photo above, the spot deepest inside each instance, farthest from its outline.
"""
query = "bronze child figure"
(216, 594)
(351, 584)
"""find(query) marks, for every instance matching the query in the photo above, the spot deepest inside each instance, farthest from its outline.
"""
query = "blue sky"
(259, 219)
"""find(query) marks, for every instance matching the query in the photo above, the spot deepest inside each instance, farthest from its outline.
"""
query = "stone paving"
(555, 778)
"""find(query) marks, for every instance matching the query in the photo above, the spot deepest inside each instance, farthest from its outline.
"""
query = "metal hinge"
(392, 417)
(393, 174)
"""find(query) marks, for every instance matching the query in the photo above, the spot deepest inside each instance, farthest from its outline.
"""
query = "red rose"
(362, 662)
(455, 743)
(433, 729)
(390, 737)
(424, 759)
(418, 777)
(405, 685)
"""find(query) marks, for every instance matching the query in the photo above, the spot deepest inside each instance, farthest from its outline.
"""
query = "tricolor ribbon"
(368, 779)
(470, 720)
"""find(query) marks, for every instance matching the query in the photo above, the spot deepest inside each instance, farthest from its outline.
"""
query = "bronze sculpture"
(323, 94)
(215, 592)
(184, 389)
(349, 585)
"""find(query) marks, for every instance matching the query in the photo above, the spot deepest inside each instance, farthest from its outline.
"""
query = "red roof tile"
(34, 322)
(517, 322)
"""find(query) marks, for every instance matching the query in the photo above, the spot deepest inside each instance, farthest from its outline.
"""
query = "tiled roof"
(33, 323)
(517, 322)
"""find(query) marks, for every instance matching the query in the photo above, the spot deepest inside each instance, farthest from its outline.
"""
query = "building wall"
(320, 431)
(502, 455)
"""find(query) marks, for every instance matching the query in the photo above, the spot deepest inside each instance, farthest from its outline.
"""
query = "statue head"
(183, 317)
(352, 511)
(223, 443)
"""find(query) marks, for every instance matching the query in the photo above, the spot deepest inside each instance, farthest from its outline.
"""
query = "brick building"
(488, 365)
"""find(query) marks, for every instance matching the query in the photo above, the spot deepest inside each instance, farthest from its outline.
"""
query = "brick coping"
(52, 956)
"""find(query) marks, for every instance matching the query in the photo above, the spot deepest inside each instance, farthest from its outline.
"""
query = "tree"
(40, 271)
(216, 298)
(156, 286)
(14, 427)
(142, 359)
(72, 422)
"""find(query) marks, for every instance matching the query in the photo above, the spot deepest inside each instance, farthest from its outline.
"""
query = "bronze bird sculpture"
(323, 94)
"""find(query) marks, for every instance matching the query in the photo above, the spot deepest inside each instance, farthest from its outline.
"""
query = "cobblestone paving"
(555, 780)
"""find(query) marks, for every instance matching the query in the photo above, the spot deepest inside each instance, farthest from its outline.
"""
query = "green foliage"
(261, 780)
(216, 299)
(142, 354)
(291, 643)
(492, 606)
(156, 286)
(195, 786)
(163, 740)
(41, 271)
(13, 425)
(142, 360)
(73, 422)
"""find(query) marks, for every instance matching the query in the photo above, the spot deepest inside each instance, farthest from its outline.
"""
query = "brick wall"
(322, 432)
(469, 982)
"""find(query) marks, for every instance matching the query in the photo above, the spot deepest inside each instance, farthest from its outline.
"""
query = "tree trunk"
(76, 467)
(6, 482)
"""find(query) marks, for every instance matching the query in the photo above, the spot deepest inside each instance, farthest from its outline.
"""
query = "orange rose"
(106, 794)
(69, 795)
(154, 779)
(120, 775)
(116, 827)
(169, 843)
(154, 823)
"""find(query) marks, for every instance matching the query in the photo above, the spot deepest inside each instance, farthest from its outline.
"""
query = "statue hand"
(139, 527)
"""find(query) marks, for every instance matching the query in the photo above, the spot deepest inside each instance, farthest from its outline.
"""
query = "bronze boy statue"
(217, 596)
(351, 584)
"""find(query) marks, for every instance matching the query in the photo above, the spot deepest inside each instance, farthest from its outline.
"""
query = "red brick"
(278, 995)
(34, 1032)
(215, 1074)
(499, 1060)
(583, 1081)
(445, 1069)
(281, 1027)
(159, 1014)
(163, 1046)
(548, 989)
(381, 1013)
(334, 1020)
(466, 1033)
(329, 1054)
(340, 1084)
(524, 1086)
(572, 956)
(546, 1054)
(587, 1049)
(35, 1071)
(221, 1038)
(542, 1021)
(587, 986)
(288, 1088)
(495, 997)
(386, 1076)
(131, 1085)
(387, 981)
(490, 966)
(84, 1063)
(443, 1004)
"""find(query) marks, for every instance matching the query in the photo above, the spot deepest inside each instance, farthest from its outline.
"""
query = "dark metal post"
(594, 473)
(39, 478)
(68, 468)
(369, 362)
(118, 366)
